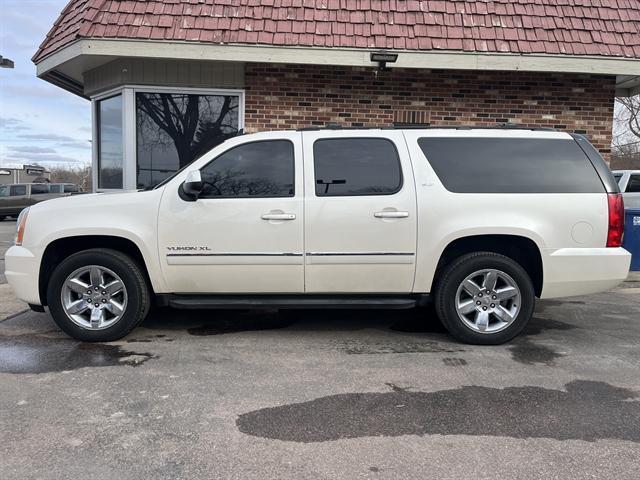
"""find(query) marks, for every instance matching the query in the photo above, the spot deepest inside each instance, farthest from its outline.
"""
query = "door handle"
(391, 214)
(278, 216)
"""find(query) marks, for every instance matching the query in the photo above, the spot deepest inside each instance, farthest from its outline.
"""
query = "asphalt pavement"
(326, 395)
(7, 232)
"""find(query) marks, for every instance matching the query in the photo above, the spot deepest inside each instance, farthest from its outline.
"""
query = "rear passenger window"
(356, 166)
(55, 188)
(511, 165)
(633, 186)
(39, 189)
(17, 190)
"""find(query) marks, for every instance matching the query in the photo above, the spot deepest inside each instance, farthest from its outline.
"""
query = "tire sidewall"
(137, 298)
(453, 277)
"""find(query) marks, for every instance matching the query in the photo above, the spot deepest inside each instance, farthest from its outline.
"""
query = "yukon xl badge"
(188, 249)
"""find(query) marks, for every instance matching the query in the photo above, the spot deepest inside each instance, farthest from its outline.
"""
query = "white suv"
(481, 220)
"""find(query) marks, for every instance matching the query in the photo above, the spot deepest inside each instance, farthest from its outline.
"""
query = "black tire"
(452, 277)
(138, 301)
(2, 217)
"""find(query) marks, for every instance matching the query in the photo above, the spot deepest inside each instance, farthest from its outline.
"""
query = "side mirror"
(193, 185)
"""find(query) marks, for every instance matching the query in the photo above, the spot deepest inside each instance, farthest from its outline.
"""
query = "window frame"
(399, 162)
(129, 125)
(222, 197)
(95, 151)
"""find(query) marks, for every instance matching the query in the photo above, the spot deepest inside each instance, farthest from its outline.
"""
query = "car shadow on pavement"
(587, 411)
(217, 322)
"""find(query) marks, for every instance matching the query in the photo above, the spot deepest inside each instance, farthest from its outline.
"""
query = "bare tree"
(79, 175)
(179, 117)
(625, 152)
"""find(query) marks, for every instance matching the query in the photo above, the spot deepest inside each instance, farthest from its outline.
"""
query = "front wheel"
(484, 298)
(98, 295)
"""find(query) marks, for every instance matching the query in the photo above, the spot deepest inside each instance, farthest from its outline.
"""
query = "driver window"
(256, 169)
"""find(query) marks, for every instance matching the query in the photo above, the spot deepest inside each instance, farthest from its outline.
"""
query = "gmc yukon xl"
(479, 221)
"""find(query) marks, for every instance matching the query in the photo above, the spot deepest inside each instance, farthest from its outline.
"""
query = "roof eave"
(359, 57)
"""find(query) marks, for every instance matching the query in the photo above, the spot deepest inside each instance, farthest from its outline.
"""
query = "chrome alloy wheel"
(488, 301)
(94, 297)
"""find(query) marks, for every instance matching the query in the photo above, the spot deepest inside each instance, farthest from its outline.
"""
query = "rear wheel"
(98, 295)
(484, 298)
(2, 217)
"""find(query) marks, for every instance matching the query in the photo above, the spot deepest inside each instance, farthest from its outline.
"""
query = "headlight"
(22, 224)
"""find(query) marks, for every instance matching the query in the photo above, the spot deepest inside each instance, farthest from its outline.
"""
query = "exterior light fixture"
(382, 58)
(5, 62)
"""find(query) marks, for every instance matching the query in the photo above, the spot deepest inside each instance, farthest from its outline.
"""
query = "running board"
(302, 301)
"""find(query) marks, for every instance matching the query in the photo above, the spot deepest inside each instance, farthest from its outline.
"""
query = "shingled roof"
(571, 27)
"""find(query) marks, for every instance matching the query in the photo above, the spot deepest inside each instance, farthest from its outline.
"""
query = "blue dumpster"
(631, 240)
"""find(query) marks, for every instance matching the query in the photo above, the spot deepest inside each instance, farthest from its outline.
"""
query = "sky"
(39, 123)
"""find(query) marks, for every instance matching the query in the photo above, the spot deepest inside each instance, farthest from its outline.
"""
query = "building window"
(110, 142)
(173, 129)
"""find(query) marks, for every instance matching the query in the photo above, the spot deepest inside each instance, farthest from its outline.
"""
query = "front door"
(244, 233)
(13, 198)
(360, 212)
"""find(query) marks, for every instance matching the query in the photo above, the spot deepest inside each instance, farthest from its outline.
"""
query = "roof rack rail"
(422, 126)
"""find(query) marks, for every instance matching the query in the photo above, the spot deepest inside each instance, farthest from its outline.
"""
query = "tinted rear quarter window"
(633, 186)
(511, 165)
(356, 166)
(71, 189)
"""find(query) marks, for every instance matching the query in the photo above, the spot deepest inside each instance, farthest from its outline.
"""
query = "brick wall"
(280, 96)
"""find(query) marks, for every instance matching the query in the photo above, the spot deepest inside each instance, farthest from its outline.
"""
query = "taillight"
(616, 219)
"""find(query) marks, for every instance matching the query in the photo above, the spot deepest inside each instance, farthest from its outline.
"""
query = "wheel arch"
(522, 250)
(61, 248)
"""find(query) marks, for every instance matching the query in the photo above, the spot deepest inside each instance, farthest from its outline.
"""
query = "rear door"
(40, 192)
(360, 212)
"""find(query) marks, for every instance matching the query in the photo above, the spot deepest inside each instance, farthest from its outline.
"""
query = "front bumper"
(22, 269)
(581, 271)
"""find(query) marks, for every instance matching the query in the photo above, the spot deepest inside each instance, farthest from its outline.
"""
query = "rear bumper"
(22, 269)
(580, 271)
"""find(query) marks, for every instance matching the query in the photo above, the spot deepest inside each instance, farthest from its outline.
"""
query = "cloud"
(80, 145)
(30, 149)
(44, 158)
(52, 137)
(41, 90)
(12, 124)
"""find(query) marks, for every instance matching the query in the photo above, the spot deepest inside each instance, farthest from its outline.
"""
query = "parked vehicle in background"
(483, 221)
(629, 183)
(16, 197)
